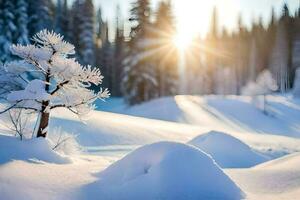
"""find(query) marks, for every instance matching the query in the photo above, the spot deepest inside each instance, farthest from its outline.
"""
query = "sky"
(193, 16)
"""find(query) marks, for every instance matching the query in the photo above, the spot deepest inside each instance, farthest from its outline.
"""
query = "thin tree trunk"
(45, 114)
(44, 121)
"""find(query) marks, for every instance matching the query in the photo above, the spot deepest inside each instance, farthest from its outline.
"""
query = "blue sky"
(200, 11)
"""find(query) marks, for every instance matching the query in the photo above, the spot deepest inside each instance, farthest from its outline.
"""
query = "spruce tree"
(118, 54)
(21, 19)
(8, 29)
(83, 30)
(139, 81)
(40, 15)
(280, 63)
(166, 58)
(62, 15)
(212, 40)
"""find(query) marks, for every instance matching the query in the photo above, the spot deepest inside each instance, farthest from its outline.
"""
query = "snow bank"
(37, 149)
(164, 170)
(227, 151)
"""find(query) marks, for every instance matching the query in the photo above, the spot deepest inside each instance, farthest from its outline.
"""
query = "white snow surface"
(275, 180)
(164, 170)
(228, 151)
(108, 137)
(38, 150)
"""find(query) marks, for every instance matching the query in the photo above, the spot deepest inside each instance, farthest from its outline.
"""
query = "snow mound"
(165, 170)
(227, 151)
(35, 149)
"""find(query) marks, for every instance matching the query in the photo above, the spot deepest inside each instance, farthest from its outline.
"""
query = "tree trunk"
(44, 121)
(45, 114)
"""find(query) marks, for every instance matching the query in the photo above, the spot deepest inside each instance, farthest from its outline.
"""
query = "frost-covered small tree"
(60, 81)
(265, 84)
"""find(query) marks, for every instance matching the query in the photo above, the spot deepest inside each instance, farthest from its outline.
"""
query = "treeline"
(147, 64)
(79, 23)
(231, 60)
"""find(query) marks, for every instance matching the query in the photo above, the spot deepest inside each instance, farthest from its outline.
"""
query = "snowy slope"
(105, 131)
(103, 128)
(114, 135)
(231, 113)
(274, 180)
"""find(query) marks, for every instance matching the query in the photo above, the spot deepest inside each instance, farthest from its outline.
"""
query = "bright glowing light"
(182, 40)
(194, 16)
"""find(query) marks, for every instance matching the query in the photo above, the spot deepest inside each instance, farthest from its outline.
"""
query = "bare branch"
(59, 86)
(11, 107)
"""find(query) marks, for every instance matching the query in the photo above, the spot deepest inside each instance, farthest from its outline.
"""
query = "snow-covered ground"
(248, 137)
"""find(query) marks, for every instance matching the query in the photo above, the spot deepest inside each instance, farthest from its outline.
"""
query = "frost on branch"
(60, 81)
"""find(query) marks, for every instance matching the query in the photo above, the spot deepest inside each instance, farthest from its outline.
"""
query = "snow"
(274, 180)
(37, 149)
(164, 170)
(35, 90)
(108, 137)
(227, 151)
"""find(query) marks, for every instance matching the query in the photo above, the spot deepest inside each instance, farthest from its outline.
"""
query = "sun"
(182, 40)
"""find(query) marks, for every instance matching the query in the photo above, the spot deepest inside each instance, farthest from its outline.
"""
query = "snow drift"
(34, 149)
(227, 151)
(164, 170)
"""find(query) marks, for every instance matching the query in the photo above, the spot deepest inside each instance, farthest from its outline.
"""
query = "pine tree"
(281, 54)
(253, 61)
(40, 15)
(58, 16)
(8, 29)
(106, 57)
(83, 30)
(166, 57)
(118, 54)
(212, 59)
(62, 15)
(139, 81)
(104, 51)
(21, 34)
